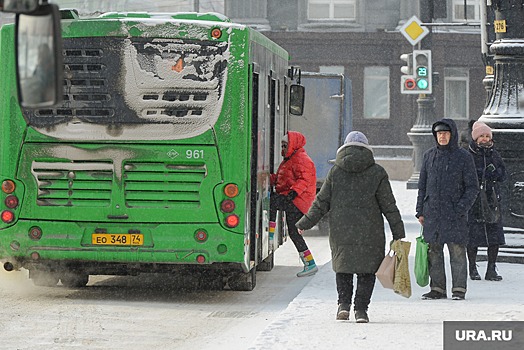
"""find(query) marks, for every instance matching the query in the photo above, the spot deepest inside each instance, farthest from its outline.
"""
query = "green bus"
(157, 159)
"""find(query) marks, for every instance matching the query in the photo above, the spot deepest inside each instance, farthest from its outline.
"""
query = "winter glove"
(490, 167)
(292, 195)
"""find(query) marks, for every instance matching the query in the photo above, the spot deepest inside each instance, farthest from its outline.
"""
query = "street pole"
(420, 134)
(503, 113)
(487, 37)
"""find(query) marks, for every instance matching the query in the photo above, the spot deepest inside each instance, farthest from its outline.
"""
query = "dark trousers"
(493, 252)
(365, 286)
(458, 262)
(293, 214)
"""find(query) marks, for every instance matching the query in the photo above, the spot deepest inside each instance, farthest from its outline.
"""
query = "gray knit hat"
(356, 137)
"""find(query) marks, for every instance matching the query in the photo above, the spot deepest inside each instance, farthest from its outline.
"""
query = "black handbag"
(489, 205)
(486, 208)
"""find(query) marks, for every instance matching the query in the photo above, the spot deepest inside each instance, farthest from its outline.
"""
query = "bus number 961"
(195, 154)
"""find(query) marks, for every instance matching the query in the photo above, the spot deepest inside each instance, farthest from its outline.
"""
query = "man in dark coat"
(447, 189)
(357, 194)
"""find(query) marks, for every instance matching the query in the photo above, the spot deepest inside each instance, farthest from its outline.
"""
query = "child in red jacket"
(295, 188)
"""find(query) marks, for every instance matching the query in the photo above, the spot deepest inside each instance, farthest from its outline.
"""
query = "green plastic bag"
(421, 262)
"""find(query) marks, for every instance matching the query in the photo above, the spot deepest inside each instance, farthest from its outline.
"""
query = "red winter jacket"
(297, 172)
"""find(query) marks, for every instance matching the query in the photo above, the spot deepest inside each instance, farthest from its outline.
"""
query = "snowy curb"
(308, 302)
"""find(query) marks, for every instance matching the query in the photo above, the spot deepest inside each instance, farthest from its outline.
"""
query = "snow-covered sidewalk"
(395, 322)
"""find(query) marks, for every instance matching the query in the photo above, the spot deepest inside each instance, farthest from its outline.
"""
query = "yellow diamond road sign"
(413, 30)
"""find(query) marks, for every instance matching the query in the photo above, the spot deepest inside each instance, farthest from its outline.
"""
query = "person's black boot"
(474, 273)
(491, 273)
(343, 311)
(361, 316)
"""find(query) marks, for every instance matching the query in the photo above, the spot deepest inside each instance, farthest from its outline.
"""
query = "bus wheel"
(243, 281)
(74, 280)
(267, 264)
(43, 278)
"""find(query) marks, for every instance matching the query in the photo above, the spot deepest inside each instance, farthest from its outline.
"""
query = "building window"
(211, 6)
(376, 92)
(332, 9)
(466, 10)
(192, 5)
(180, 6)
(456, 93)
(246, 9)
(331, 69)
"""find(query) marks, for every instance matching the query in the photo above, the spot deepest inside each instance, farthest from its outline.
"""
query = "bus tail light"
(8, 186)
(232, 220)
(201, 235)
(216, 33)
(227, 206)
(8, 216)
(200, 259)
(35, 233)
(231, 190)
(11, 201)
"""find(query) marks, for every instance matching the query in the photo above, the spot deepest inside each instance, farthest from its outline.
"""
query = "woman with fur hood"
(356, 194)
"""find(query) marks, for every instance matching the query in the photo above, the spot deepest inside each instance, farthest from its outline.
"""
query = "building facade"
(361, 39)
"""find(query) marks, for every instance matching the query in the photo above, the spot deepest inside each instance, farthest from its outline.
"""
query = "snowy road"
(147, 311)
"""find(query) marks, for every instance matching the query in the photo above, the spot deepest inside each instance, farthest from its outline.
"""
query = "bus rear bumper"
(166, 247)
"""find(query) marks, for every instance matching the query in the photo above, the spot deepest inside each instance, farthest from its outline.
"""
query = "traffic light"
(422, 71)
(418, 74)
(407, 81)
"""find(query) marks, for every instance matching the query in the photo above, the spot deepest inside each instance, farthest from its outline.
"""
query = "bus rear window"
(137, 88)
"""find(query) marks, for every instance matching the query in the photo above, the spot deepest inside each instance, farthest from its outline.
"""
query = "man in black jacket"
(447, 189)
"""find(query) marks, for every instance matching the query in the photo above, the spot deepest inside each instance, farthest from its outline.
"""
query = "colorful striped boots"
(310, 268)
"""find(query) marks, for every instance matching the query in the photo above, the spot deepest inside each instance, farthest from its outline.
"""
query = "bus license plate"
(118, 239)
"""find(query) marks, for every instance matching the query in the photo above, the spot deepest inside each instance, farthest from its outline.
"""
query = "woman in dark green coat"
(357, 194)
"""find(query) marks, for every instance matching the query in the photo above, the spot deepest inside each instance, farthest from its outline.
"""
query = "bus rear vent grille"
(82, 184)
(161, 185)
